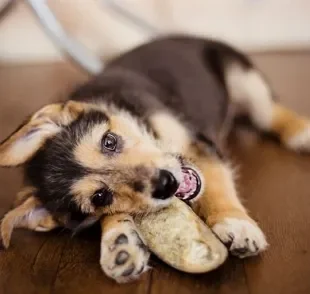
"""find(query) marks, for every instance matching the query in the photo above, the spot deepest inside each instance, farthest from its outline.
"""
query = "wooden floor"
(274, 183)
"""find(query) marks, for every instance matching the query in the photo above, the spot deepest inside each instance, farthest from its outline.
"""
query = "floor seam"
(58, 266)
(149, 290)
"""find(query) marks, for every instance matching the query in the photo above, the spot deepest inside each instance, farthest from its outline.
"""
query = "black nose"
(165, 186)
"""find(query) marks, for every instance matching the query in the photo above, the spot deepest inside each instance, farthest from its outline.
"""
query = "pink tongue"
(186, 185)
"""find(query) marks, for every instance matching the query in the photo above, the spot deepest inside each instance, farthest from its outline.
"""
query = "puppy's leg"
(250, 92)
(124, 256)
(29, 214)
(223, 211)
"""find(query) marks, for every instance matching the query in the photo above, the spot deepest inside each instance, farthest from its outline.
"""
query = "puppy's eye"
(109, 142)
(102, 197)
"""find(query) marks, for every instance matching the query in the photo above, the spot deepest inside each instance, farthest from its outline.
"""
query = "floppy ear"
(29, 213)
(45, 123)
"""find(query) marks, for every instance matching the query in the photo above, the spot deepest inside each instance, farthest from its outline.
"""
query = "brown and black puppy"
(150, 127)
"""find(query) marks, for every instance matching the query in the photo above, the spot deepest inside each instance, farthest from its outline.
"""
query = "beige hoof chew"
(181, 239)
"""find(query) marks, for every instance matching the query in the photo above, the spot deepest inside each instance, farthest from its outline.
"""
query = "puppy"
(150, 127)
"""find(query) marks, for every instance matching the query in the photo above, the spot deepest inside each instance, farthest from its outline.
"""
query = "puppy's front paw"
(124, 256)
(245, 237)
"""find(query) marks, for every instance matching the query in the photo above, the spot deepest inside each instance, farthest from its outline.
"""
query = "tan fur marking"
(174, 137)
(88, 151)
(15, 151)
(51, 111)
(23, 195)
(135, 136)
(130, 202)
(125, 200)
(83, 189)
(44, 124)
(220, 198)
(113, 221)
(20, 217)
(138, 147)
(223, 211)
(286, 123)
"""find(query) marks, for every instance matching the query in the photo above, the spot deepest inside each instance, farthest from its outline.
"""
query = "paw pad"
(121, 257)
(129, 271)
(121, 239)
(124, 256)
(244, 238)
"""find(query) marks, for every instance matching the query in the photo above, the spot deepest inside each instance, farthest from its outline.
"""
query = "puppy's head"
(92, 159)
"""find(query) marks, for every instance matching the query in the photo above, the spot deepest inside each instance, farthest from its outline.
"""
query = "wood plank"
(227, 279)
(79, 270)
(30, 265)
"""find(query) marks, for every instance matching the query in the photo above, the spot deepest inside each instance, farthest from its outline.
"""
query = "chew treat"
(181, 239)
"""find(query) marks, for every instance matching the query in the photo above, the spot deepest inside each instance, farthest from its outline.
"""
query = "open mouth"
(190, 185)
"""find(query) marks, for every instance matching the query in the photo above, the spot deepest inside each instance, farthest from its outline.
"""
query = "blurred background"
(252, 25)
